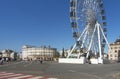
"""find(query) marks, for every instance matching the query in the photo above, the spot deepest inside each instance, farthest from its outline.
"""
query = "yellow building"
(114, 54)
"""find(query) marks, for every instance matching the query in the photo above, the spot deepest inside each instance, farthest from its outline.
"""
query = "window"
(115, 55)
(111, 55)
(115, 51)
(115, 47)
(118, 51)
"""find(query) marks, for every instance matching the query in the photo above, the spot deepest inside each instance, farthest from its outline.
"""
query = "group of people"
(40, 60)
(2, 60)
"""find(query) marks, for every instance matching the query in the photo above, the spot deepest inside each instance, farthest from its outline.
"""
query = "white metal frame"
(100, 33)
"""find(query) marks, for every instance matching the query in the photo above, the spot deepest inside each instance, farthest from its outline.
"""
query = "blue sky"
(45, 22)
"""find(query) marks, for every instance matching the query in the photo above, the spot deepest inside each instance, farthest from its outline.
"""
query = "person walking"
(41, 61)
(2, 61)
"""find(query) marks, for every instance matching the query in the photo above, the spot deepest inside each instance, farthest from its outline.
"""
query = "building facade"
(34, 53)
(8, 54)
(114, 53)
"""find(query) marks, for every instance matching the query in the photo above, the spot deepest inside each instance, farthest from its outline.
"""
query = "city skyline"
(45, 22)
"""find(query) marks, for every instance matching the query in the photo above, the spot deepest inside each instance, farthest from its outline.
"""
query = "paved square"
(61, 71)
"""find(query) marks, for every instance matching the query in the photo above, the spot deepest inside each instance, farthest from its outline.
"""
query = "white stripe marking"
(38, 77)
(10, 75)
(2, 72)
(20, 77)
(6, 74)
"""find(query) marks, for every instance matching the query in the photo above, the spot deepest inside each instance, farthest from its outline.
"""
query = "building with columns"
(34, 53)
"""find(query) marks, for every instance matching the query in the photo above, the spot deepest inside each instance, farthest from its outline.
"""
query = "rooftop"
(117, 40)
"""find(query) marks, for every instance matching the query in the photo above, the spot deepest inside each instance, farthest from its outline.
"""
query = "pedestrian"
(7, 60)
(41, 61)
(2, 61)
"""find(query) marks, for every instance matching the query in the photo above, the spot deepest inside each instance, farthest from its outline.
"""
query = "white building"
(34, 53)
(9, 54)
(114, 54)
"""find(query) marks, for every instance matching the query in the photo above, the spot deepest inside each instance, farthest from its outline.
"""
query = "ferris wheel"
(88, 23)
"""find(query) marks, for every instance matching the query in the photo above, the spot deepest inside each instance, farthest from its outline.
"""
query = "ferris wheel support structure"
(97, 29)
